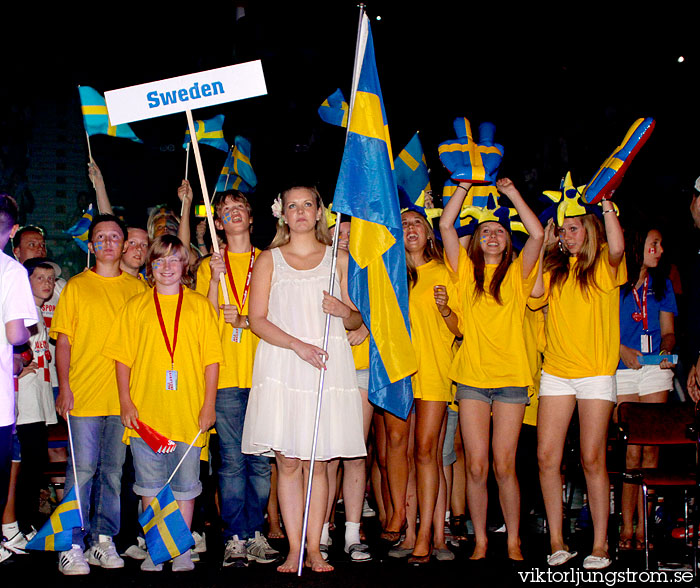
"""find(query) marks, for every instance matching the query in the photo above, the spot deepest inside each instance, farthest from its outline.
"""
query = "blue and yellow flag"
(166, 532)
(228, 180)
(334, 109)
(241, 162)
(96, 119)
(377, 282)
(57, 532)
(209, 132)
(411, 170)
(79, 231)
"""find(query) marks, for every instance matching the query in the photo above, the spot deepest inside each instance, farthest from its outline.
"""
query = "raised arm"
(450, 212)
(98, 182)
(613, 233)
(260, 283)
(533, 245)
(184, 193)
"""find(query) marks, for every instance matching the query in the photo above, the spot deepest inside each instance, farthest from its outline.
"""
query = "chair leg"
(645, 495)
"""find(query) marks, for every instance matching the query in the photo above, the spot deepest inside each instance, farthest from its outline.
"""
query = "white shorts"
(363, 379)
(647, 380)
(591, 388)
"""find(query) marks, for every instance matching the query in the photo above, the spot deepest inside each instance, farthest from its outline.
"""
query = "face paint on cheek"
(157, 264)
(483, 239)
(652, 250)
(99, 245)
(226, 218)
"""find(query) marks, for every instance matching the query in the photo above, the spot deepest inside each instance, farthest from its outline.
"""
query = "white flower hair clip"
(277, 209)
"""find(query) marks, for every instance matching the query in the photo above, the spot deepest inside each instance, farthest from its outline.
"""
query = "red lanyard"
(171, 351)
(229, 273)
(642, 305)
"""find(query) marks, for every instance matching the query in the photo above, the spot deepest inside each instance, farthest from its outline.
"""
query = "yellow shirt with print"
(583, 328)
(137, 341)
(432, 340)
(236, 370)
(493, 353)
(87, 309)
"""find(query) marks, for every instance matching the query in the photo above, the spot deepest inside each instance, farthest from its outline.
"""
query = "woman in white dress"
(288, 307)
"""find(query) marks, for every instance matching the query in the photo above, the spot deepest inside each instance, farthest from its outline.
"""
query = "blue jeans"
(244, 480)
(99, 457)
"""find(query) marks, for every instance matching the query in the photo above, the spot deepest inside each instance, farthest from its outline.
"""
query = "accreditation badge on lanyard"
(171, 374)
(643, 316)
(237, 334)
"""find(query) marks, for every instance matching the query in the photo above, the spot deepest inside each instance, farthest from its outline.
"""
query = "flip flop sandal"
(359, 552)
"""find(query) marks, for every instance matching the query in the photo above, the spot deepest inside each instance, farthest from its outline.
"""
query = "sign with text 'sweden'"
(206, 88)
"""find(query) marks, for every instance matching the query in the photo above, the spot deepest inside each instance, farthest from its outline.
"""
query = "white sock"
(352, 534)
(9, 530)
(325, 534)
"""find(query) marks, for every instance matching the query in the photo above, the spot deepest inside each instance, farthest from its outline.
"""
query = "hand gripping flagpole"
(205, 193)
(319, 393)
(75, 471)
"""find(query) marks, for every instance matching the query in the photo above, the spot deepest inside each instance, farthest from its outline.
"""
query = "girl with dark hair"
(581, 276)
(647, 308)
(491, 368)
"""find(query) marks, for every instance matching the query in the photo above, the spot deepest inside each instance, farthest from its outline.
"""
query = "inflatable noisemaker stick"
(207, 203)
(319, 393)
(155, 440)
(75, 469)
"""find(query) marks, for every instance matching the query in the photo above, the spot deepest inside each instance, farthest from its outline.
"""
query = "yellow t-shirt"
(86, 311)
(533, 331)
(583, 329)
(432, 340)
(236, 370)
(493, 354)
(136, 340)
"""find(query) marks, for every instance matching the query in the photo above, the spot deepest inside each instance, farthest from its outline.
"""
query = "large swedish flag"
(57, 532)
(167, 534)
(79, 231)
(96, 118)
(412, 170)
(334, 109)
(366, 191)
(209, 132)
(228, 180)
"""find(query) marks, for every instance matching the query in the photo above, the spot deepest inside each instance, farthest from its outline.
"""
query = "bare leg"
(9, 515)
(317, 512)
(290, 491)
(507, 420)
(553, 418)
(397, 432)
(273, 510)
(443, 493)
(380, 478)
(475, 422)
(409, 540)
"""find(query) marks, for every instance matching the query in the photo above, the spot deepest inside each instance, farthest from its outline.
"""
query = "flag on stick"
(79, 231)
(57, 532)
(334, 109)
(228, 179)
(377, 282)
(166, 531)
(96, 118)
(209, 132)
(155, 440)
(412, 170)
(241, 161)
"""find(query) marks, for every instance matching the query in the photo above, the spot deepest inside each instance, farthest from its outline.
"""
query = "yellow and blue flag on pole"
(79, 231)
(209, 132)
(334, 109)
(57, 532)
(96, 118)
(377, 281)
(228, 179)
(241, 161)
(411, 170)
(166, 532)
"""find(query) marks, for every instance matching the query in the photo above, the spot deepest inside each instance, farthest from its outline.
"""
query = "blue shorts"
(152, 470)
(508, 394)
(16, 453)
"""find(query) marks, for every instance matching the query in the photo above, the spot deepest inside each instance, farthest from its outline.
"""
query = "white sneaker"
(18, 543)
(137, 551)
(367, 510)
(183, 562)
(104, 554)
(5, 554)
(258, 549)
(73, 562)
(147, 565)
(235, 553)
(200, 542)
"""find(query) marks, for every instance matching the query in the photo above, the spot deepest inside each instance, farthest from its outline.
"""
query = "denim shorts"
(508, 394)
(449, 456)
(152, 470)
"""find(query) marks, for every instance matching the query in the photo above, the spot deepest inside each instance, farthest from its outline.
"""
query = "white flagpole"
(207, 203)
(177, 467)
(336, 234)
(76, 485)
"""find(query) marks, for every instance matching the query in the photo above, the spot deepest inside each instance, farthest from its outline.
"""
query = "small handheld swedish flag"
(167, 534)
(334, 109)
(57, 533)
(96, 118)
(209, 132)
(79, 231)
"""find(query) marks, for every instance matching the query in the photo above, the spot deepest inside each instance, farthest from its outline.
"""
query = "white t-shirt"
(16, 302)
(47, 310)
